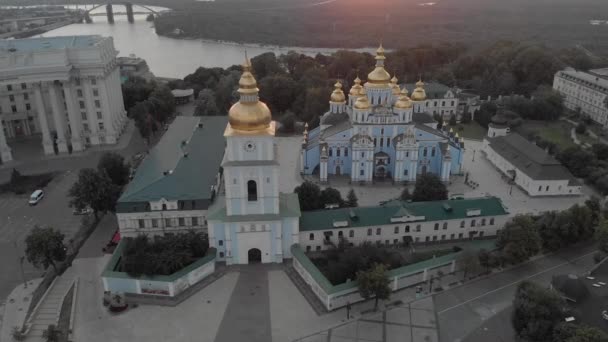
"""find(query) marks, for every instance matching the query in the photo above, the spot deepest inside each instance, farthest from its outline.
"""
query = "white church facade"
(255, 223)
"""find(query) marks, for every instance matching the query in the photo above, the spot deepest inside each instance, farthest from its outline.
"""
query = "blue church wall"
(235, 241)
(311, 159)
(456, 160)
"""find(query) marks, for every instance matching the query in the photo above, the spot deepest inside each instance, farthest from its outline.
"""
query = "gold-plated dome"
(356, 88)
(379, 76)
(403, 102)
(419, 94)
(337, 95)
(395, 86)
(249, 114)
(362, 101)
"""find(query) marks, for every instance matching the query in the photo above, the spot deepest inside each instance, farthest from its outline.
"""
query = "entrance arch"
(254, 256)
(338, 171)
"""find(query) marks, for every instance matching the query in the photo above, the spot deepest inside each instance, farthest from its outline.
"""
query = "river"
(169, 57)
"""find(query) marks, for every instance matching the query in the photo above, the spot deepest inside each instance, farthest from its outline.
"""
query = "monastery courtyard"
(223, 310)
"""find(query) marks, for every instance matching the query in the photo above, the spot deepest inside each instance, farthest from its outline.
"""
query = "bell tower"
(251, 170)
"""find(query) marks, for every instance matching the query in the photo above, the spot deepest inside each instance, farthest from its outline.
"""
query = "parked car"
(36, 197)
(83, 211)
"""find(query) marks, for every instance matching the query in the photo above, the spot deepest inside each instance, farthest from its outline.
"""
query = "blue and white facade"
(255, 223)
(380, 133)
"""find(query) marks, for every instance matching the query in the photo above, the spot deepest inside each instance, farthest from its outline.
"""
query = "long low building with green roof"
(177, 181)
(398, 222)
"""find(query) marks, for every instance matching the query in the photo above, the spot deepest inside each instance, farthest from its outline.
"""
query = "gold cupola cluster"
(419, 94)
(249, 114)
(379, 77)
(337, 96)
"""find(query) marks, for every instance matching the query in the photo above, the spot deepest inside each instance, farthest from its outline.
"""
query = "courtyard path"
(247, 317)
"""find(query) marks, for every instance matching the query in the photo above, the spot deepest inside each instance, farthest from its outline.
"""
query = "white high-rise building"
(65, 88)
(585, 92)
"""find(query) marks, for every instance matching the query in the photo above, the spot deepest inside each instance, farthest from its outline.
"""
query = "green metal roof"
(381, 215)
(289, 206)
(183, 165)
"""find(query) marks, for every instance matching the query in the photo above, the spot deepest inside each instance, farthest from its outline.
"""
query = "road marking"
(515, 282)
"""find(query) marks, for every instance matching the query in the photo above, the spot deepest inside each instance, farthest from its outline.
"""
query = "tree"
(44, 247)
(405, 195)
(95, 190)
(162, 103)
(374, 283)
(469, 263)
(351, 199)
(568, 332)
(429, 188)
(452, 120)
(288, 121)
(577, 160)
(581, 128)
(143, 122)
(602, 236)
(205, 104)
(519, 239)
(331, 196)
(536, 311)
(278, 91)
(309, 195)
(113, 164)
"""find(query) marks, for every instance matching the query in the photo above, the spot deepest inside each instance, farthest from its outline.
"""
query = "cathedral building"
(380, 132)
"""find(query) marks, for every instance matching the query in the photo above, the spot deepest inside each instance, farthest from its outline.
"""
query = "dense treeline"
(360, 23)
(298, 86)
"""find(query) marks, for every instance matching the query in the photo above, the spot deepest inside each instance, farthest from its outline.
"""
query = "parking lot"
(17, 218)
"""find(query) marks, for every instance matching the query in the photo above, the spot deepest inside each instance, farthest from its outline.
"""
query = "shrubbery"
(162, 255)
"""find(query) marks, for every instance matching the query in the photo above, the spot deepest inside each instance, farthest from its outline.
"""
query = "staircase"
(305, 290)
(49, 308)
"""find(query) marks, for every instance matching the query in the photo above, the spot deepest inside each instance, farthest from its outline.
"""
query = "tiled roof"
(184, 163)
(382, 215)
(529, 158)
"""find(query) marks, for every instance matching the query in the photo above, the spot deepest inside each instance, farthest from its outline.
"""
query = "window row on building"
(167, 222)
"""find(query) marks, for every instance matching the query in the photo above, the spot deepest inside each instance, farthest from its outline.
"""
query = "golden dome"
(249, 114)
(362, 101)
(395, 86)
(403, 102)
(419, 94)
(379, 76)
(337, 95)
(355, 89)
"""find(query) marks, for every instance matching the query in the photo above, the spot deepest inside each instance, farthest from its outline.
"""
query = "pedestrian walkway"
(415, 322)
(15, 308)
(49, 308)
(247, 317)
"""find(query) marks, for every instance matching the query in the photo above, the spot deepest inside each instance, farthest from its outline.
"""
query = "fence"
(161, 286)
(336, 296)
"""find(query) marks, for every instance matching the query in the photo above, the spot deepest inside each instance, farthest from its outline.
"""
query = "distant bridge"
(110, 12)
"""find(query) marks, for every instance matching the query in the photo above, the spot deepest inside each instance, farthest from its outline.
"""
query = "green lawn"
(470, 130)
(557, 132)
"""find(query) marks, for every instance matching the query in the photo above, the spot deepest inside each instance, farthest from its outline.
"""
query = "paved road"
(463, 309)
(247, 317)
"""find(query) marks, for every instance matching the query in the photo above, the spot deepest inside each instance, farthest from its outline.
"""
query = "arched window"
(351, 233)
(311, 236)
(445, 225)
(331, 153)
(491, 221)
(252, 191)
(436, 226)
(164, 206)
(461, 224)
(346, 152)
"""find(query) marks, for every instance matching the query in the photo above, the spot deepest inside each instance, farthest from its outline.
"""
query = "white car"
(36, 197)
